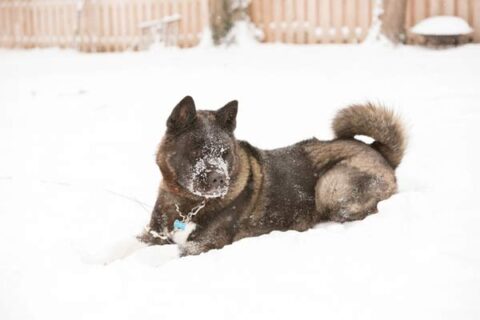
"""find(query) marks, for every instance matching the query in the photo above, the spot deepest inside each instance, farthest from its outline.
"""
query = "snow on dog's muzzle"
(210, 178)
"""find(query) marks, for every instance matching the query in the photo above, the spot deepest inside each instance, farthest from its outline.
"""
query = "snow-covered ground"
(78, 135)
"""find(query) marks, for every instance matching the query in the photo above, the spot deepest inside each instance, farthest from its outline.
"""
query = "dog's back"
(339, 180)
(285, 198)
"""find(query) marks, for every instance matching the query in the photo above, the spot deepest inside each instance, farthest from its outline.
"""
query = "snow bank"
(442, 26)
(78, 135)
(244, 34)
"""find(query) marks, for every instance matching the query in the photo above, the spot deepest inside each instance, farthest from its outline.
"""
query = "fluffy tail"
(378, 123)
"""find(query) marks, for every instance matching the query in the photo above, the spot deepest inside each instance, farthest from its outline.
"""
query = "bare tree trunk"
(224, 14)
(221, 19)
(393, 20)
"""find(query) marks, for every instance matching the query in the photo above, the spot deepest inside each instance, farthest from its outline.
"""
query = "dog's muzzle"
(210, 178)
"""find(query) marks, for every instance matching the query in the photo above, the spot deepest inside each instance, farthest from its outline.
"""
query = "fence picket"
(336, 12)
(187, 8)
(117, 26)
(299, 22)
(325, 20)
(435, 8)
(449, 7)
(352, 22)
(462, 9)
(277, 29)
(15, 42)
(476, 19)
(311, 10)
(11, 24)
(420, 10)
(183, 7)
(122, 27)
(289, 30)
(2, 24)
(364, 18)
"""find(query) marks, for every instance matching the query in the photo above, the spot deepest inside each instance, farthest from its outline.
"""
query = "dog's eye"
(225, 153)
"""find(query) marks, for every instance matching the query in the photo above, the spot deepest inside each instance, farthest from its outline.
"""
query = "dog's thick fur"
(292, 188)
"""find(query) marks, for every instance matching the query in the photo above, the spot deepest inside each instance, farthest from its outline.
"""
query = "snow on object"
(240, 4)
(211, 160)
(374, 34)
(180, 236)
(243, 34)
(206, 40)
(442, 26)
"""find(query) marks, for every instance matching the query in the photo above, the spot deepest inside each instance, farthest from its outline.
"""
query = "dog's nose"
(216, 180)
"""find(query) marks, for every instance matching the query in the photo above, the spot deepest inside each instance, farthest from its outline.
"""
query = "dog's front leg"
(161, 223)
(204, 239)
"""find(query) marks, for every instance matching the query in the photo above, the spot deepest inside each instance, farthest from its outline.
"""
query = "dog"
(217, 189)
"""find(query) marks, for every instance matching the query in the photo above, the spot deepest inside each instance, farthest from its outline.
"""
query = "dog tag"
(179, 225)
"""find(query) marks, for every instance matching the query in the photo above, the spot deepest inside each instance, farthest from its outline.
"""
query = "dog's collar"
(177, 224)
(186, 218)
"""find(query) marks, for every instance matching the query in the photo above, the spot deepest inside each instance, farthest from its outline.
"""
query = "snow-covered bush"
(230, 23)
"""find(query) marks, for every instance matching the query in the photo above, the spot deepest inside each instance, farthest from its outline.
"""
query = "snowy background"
(78, 134)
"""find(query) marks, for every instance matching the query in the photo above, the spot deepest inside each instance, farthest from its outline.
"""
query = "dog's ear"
(227, 115)
(182, 115)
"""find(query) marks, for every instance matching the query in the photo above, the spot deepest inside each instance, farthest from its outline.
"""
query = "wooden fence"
(313, 21)
(344, 21)
(95, 25)
(114, 25)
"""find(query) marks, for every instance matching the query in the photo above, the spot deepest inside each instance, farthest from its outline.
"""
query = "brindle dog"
(217, 189)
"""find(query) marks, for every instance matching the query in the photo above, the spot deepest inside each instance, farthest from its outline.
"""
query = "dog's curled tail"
(376, 122)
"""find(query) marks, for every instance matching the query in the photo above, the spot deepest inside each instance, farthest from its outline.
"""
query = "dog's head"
(198, 151)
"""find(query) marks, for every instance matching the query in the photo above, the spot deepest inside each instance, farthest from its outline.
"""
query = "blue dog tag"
(179, 225)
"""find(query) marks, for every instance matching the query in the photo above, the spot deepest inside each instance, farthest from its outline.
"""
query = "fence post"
(351, 23)
(311, 20)
(476, 20)
(288, 8)
(277, 34)
(435, 8)
(337, 13)
(449, 7)
(300, 23)
(324, 11)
